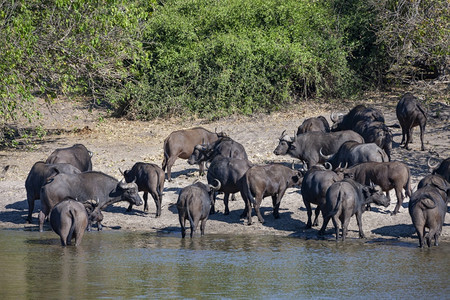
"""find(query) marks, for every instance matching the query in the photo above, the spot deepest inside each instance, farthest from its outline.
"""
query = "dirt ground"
(119, 143)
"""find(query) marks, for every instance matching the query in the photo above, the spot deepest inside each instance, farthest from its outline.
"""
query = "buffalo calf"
(69, 219)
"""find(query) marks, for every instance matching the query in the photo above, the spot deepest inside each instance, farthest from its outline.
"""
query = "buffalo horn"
(216, 187)
(326, 157)
(328, 166)
(432, 167)
(282, 134)
(305, 166)
(333, 117)
(121, 172)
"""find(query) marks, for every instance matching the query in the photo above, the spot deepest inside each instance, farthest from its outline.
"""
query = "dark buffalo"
(69, 219)
(376, 132)
(37, 177)
(388, 175)
(83, 187)
(369, 123)
(77, 155)
(438, 182)
(194, 204)
(352, 153)
(315, 184)
(427, 209)
(269, 180)
(149, 179)
(442, 169)
(181, 144)
(347, 198)
(306, 146)
(225, 146)
(229, 172)
(411, 114)
(314, 124)
(356, 114)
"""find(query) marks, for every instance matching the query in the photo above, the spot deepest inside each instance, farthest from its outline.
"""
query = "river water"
(133, 265)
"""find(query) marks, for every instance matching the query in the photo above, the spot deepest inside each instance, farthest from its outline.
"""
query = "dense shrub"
(221, 57)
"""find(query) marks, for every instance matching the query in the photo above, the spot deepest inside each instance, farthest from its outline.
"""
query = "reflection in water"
(130, 265)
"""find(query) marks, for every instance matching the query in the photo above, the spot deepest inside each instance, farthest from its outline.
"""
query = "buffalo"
(77, 155)
(194, 204)
(427, 209)
(411, 114)
(225, 146)
(306, 146)
(369, 123)
(352, 153)
(229, 172)
(356, 114)
(314, 124)
(38, 175)
(388, 175)
(347, 198)
(314, 187)
(269, 180)
(83, 187)
(181, 144)
(69, 219)
(149, 179)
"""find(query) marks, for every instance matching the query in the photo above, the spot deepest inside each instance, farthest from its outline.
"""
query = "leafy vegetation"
(145, 59)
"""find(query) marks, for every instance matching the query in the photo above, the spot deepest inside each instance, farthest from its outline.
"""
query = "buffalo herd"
(346, 167)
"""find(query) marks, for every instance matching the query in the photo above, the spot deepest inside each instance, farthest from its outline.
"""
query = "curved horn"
(282, 134)
(305, 166)
(328, 166)
(430, 166)
(326, 157)
(333, 117)
(293, 165)
(217, 187)
(344, 167)
(121, 172)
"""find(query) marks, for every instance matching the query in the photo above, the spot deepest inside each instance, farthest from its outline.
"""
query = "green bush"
(220, 57)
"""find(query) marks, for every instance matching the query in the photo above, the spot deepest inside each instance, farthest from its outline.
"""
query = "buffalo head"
(284, 144)
(129, 192)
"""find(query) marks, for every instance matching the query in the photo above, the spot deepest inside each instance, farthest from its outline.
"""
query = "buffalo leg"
(258, 200)
(157, 200)
(324, 226)
(316, 218)
(194, 224)
(202, 226)
(225, 202)
(182, 220)
(309, 213)
(398, 193)
(336, 226)
(403, 135)
(276, 206)
(422, 131)
(170, 163)
(345, 227)
(41, 221)
(359, 222)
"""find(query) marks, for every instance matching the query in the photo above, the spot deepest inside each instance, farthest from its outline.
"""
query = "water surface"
(118, 264)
